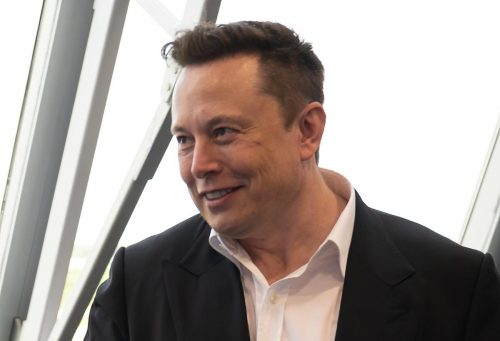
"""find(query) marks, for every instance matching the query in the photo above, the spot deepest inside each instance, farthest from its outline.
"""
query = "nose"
(205, 160)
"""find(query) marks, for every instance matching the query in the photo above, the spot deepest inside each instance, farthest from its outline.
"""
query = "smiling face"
(242, 167)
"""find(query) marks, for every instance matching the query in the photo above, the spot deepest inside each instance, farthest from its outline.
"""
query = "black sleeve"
(483, 323)
(108, 316)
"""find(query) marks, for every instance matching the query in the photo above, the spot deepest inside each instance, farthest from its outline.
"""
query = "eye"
(184, 140)
(219, 132)
(181, 139)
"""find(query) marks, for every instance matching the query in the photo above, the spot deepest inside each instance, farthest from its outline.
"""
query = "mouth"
(217, 194)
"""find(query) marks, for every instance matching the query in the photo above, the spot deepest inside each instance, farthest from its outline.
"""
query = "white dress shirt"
(305, 304)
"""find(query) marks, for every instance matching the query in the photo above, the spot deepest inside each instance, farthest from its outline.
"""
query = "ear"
(312, 121)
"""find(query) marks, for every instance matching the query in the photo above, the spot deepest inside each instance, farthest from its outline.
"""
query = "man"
(281, 250)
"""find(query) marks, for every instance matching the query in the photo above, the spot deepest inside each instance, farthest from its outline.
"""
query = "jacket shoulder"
(429, 253)
(172, 243)
(418, 241)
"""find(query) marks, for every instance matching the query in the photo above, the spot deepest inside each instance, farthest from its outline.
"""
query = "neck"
(287, 245)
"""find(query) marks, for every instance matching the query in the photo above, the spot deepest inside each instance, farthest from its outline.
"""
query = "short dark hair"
(290, 70)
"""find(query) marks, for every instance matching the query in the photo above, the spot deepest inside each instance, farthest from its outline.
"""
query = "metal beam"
(48, 102)
(146, 162)
(195, 11)
(100, 55)
(482, 225)
(494, 248)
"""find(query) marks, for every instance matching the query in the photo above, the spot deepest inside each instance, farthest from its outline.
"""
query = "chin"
(227, 230)
(221, 228)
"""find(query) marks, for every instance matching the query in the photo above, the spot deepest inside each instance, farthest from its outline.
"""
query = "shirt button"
(273, 298)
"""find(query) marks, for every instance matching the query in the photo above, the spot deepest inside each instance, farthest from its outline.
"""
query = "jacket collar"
(204, 293)
(379, 300)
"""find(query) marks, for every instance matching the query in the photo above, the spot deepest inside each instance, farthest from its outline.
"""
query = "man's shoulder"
(171, 243)
(425, 248)
(408, 232)
(408, 236)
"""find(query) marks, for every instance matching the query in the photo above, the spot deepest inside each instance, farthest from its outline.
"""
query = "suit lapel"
(379, 300)
(205, 294)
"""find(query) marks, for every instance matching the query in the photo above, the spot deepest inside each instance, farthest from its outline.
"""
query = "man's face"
(240, 164)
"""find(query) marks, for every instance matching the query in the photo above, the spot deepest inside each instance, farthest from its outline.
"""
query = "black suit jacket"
(403, 282)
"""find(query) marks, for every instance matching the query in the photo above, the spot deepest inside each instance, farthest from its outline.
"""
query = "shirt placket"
(272, 314)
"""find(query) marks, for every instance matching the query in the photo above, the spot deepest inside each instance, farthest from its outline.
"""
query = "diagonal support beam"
(97, 69)
(146, 162)
(482, 228)
(195, 11)
(144, 166)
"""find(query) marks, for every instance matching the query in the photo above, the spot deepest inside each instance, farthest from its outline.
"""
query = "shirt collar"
(341, 233)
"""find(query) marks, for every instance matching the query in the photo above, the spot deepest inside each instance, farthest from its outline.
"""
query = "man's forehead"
(227, 73)
(239, 63)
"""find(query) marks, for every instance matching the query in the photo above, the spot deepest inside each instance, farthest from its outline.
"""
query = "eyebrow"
(175, 130)
(216, 120)
(227, 119)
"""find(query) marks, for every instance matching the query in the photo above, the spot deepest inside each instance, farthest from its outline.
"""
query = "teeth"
(217, 194)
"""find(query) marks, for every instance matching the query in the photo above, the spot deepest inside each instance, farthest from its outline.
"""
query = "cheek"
(185, 169)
